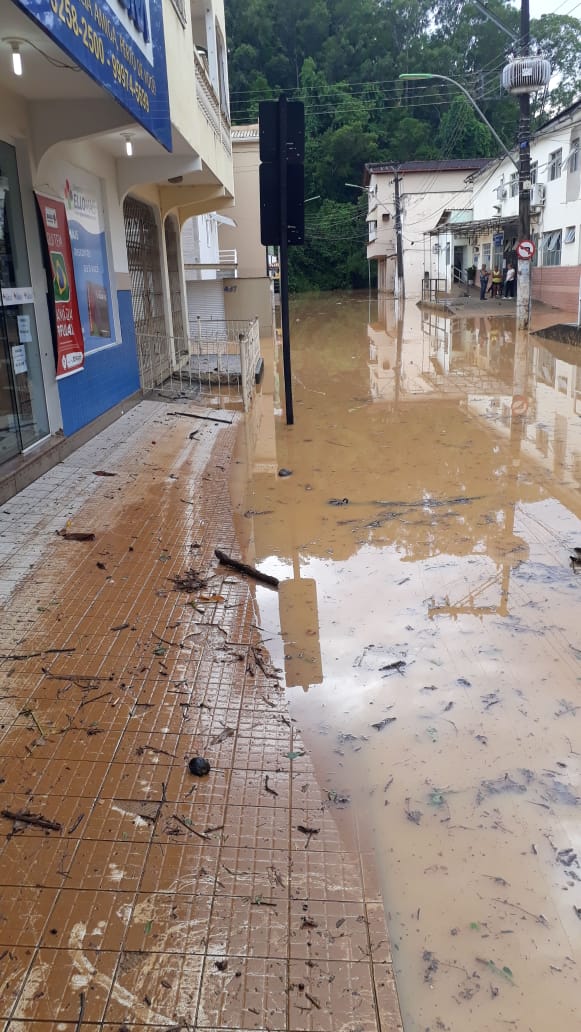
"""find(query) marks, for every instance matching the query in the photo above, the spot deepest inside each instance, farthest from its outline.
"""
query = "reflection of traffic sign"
(525, 249)
(519, 405)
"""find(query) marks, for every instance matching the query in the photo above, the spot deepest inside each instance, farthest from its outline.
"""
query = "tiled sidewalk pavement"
(164, 901)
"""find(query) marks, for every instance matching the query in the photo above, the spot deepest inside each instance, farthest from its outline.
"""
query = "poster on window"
(70, 345)
(84, 207)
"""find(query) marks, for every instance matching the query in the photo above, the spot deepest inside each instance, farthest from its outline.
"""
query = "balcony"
(209, 104)
(225, 266)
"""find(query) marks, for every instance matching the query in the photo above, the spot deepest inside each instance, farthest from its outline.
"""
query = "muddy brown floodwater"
(431, 635)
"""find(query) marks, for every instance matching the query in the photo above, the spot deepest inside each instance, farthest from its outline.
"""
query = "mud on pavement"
(140, 889)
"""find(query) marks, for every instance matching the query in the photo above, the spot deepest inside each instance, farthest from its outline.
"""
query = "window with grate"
(570, 235)
(555, 164)
(142, 240)
(552, 248)
(513, 186)
(574, 156)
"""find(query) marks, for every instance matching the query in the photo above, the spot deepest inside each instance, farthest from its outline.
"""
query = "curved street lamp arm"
(446, 78)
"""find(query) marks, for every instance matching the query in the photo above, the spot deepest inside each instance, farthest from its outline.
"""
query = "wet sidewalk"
(135, 894)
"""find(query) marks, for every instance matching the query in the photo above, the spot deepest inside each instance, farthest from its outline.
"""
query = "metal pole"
(400, 292)
(523, 300)
(284, 308)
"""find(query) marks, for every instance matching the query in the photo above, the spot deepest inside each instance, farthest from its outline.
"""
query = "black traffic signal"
(282, 174)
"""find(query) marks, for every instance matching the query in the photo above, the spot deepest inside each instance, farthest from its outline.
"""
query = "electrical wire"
(52, 60)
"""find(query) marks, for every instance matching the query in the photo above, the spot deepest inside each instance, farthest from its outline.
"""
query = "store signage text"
(120, 43)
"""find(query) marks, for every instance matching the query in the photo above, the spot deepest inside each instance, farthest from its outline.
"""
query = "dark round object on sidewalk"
(285, 472)
(199, 766)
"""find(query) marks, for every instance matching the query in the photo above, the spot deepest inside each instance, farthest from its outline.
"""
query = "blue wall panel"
(108, 377)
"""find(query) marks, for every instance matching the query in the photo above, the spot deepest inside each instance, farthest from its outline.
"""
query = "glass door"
(23, 414)
(10, 443)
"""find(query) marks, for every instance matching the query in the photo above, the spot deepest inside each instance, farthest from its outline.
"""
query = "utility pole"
(400, 283)
(523, 297)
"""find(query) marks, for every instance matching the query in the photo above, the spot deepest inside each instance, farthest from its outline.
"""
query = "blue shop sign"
(498, 239)
(120, 43)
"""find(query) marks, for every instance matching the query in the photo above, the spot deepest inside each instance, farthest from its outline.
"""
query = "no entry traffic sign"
(525, 249)
(519, 405)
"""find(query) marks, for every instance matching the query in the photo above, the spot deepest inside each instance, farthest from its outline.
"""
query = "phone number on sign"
(67, 12)
(122, 75)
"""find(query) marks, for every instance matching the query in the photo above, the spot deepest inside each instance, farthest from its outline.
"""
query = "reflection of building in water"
(551, 429)
(430, 354)
(533, 390)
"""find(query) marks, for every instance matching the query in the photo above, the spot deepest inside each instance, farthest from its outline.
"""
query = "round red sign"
(525, 249)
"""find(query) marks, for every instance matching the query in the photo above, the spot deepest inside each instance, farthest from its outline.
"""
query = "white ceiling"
(35, 83)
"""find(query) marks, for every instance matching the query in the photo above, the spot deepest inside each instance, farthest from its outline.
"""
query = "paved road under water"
(432, 643)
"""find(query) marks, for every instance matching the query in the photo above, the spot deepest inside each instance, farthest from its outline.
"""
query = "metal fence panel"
(219, 360)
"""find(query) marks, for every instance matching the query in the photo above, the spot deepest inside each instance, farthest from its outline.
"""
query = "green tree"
(343, 58)
(558, 38)
(464, 133)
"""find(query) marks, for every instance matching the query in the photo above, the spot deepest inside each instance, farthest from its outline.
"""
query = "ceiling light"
(15, 45)
(16, 59)
(128, 144)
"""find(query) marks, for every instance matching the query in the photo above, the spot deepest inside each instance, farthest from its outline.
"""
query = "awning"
(496, 223)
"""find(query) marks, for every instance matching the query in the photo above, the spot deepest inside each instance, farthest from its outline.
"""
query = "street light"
(446, 78)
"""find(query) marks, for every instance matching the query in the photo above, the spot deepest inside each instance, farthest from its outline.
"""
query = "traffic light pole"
(283, 253)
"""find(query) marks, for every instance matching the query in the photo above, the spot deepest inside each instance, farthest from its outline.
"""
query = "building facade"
(487, 228)
(114, 132)
(252, 292)
(424, 190)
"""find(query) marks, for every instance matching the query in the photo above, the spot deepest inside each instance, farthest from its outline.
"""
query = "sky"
(539, 7)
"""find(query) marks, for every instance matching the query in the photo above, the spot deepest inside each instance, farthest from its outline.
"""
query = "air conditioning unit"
(538, 194)
(501, 192)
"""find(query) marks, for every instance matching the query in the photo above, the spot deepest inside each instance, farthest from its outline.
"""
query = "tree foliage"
(343, 59)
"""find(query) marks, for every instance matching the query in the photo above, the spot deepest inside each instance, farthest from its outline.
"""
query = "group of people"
(494, 286)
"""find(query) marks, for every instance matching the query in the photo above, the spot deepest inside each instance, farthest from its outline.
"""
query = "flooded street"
(432, 652)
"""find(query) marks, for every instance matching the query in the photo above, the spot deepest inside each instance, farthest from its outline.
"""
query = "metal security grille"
(220, 360)
(144, 267)
(174, 270)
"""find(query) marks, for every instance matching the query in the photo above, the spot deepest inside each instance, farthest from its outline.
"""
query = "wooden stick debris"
(76, 535)
(35, 819)
(93, 698)
(81, 1012)
(35, 655)
(188, 827)
(250, 571)
(196, 415)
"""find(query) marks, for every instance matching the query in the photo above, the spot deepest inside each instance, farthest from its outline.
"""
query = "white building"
(488, 233)
(206, 267)
(426, 190)
(114, 124)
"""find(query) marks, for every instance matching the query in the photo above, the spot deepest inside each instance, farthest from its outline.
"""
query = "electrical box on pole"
(282, 200)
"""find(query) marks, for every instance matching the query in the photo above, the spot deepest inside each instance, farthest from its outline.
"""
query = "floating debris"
(190, 581)
(384, 723)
